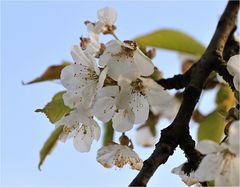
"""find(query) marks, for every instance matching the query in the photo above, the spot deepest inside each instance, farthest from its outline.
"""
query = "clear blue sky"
(35, 35)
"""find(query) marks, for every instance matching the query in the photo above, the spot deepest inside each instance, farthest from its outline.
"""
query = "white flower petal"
(104, 108)
(72, 99)
(95, 129)
(187, 179)
(122, 65)
(113, 47)
(229, 175)
(88, 93)
(102, 78)
(234, 134)
(123, 120)
(157, 97)
(209, 167)
(171, 111)
(79, 56)
(208, 146)
(118, 155)
(94, 29)
(106, 156)
(233, 65)
(236, 81)
(145, 138)
(108, 91)
(84, 114)
(144, 64)
(124, 97)
(140, 107)
(104, 59)
(107, 15)
(71, 125)
(75, 77)
(83, 140)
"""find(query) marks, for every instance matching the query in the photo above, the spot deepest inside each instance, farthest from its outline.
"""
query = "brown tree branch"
(178, 130)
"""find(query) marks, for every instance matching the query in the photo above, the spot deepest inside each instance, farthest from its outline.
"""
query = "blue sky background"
(35, 35)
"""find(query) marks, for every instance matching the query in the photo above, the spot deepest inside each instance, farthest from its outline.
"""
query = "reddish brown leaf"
(52, 73)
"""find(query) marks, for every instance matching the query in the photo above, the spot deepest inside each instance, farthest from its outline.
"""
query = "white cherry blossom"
(94, 45)
(118, 155)
(106, 108)
(140, 95)
(221, 162)
(82, 79)
(145, 138)
(106, 18)
(167, 111)
(79, 125)
(189, 179)
(233, 67)
(126, 59)
(107, 15)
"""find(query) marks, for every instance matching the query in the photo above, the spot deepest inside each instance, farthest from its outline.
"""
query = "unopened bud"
(151, 53)
(124, 140)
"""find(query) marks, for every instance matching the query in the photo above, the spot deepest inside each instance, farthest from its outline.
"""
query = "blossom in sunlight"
(82, 79)
(233, 67)
(126, 59)
(145, 138)
(118, 155)
(221, 162)
(189, 179)
(80, 125)
(106, 18)
(168, 108)
(105, 108)
(129, 102)
(141, 95)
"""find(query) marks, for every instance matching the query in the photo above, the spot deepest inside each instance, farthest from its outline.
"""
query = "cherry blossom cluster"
(109, 82)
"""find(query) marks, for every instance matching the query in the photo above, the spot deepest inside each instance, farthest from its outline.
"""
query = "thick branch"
(170, 137)
(173, 135)
(178, 81)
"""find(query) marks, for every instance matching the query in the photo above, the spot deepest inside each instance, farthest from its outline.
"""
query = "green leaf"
(108, 133)
(211, 127)
(225, 98)
(171, 40)
(55, 109)
(49, 145)
(51, 73)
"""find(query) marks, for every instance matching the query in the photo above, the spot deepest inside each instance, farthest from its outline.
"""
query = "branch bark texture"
(177, 133)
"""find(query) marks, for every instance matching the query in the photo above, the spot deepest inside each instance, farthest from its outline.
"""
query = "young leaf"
(52, 73)
(211, 127)
(171, 40)
(225, 98)
(108, 133)
(49, 145)
(55, 109)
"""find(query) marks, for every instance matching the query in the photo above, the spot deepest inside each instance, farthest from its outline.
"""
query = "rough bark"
(177, 133)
